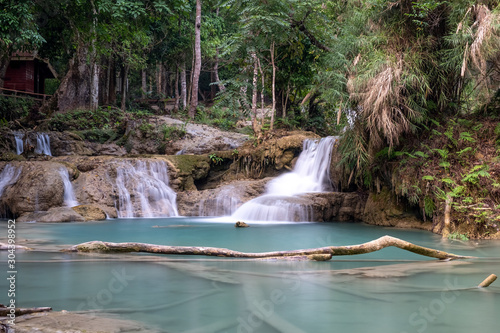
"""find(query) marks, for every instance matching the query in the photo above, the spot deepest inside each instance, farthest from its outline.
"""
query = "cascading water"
(43, 144)
(282, 201)
(8, 176)
(69, 194)
(19, 143)
(143, 190)
(224, 204)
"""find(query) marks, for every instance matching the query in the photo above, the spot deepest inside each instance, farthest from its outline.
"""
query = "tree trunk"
(372, 246)
(255, 126)
(197, 62)
(144, 83)
(216, 71)
(262, 102)
(216, 64)
(94, 79)
(273, 88)
(4, 64)
(183, 85)
(112, 81)
(124, 87)
(74, 90)
(447, 216)
(176, 89)
(159, 74)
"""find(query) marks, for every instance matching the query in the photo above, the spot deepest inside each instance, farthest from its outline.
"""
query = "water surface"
(387, 291)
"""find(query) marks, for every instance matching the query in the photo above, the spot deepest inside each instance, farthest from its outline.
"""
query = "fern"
(421, 154)
(445, 164)
(463, 151)
(448, 181)
(449, 134)
(466, 136)
(429, 206)
(475, 173)
(443, 152)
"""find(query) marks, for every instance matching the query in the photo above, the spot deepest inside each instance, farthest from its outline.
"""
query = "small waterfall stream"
(19, 143)
(43, 144)
(281, 201)
(143, 190)
(69, 194)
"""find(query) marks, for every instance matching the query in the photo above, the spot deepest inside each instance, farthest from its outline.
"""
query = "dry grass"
(483, 55)
(384, 104)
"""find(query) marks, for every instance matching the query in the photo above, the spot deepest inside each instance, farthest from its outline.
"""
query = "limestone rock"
(384, 209)
(38, 188)
(53, 215)
(241, 224)
(90, 212)
(68, 322)
(67, 143)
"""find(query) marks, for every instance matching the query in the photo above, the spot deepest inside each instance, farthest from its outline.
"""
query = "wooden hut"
(27, 72)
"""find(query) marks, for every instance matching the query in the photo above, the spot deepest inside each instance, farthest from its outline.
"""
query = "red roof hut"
(27, 72)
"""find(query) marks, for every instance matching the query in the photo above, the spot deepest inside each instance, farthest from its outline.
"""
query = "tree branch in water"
(322, 253)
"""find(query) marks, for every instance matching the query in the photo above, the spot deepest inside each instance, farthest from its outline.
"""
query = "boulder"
(38, 188)
(53, 215)
(186, 170)
(90, 212)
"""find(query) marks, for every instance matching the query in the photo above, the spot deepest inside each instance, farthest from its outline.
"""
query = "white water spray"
(8, 176)
(281, 201)
(43, 144)
(143, 190)
(69, 194)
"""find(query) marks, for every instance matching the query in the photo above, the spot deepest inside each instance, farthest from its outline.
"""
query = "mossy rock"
(10, 156)
(195, 165)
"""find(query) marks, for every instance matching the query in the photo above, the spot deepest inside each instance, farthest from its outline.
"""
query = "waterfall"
(225, 203)
(143, 190)
(69, 194)
(43, 144)
(19, 143)
(282, 201)
(8, 176)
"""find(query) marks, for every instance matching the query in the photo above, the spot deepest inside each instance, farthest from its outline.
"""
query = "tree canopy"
(377, 68)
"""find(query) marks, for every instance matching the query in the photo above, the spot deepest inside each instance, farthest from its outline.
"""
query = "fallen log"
(372, 246)
(5, 311)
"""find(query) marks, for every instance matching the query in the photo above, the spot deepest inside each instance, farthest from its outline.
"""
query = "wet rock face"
(383, 209)
(38, 188)
(220, 201)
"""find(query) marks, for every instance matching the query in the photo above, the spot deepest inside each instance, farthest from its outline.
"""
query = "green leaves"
(476, 172)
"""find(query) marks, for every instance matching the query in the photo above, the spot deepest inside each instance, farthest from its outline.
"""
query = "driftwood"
(324, 253)
(5, 311)
(489, 280)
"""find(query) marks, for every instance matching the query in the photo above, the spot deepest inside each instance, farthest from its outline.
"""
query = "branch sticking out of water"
(322, 253)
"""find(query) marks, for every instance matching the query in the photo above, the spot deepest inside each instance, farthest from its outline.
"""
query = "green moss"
(10, 156)
(186, 164)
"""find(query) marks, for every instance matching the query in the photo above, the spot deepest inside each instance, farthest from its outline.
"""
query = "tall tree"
(197, 61)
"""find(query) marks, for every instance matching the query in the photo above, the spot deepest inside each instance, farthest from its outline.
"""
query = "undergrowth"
(459, 161)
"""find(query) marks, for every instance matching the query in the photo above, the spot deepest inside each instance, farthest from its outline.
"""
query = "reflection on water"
(387, 291)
